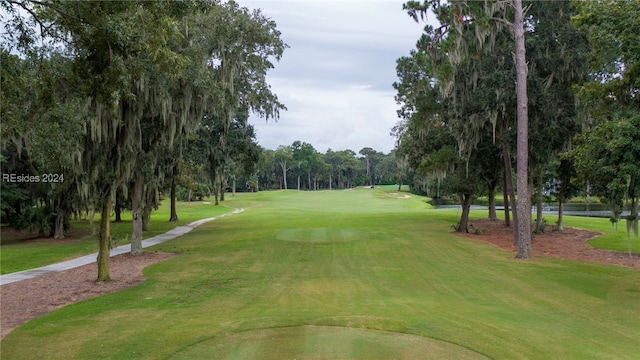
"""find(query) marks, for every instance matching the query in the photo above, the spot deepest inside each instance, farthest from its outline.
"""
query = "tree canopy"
(129, 79)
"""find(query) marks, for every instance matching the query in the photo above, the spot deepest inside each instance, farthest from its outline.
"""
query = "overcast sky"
(336, 78)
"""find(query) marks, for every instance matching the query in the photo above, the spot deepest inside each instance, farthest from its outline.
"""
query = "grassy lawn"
(18, 254)
(363, 273)
(613, 238)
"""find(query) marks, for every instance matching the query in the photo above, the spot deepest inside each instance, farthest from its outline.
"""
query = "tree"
(133, 58)
(609, 156)
(472, 49)
(243, 152)
(268, 170)
(614, 35)
(242, 46)
(523, 206)
(304, 160)
(42, 128)
(607, 153)
(371, 158)
(284, 157)
(562, 185)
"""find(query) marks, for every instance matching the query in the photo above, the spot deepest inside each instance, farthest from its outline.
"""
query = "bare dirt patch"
(569, 244)
(27, 299)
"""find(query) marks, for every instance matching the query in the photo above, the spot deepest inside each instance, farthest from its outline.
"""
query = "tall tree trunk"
(136, 213)
(466, 200)
(330, 182)
(223, 187)
(539, 220)
(492, 200)
(284, 175)
(298, 182)
(560, 212)
(233, 186)
(632, 219)
(174, 212)
(633, 215)
(215, 182)
(118, 205)
(257, 183)
(105, 236)
(509, 195)
(523, 207)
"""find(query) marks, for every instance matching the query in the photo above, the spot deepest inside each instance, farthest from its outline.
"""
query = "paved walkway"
(91, 258)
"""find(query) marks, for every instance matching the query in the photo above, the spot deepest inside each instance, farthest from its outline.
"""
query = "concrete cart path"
(91, 258)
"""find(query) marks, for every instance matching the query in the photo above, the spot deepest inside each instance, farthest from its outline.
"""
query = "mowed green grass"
(18, 253)
(358, 274)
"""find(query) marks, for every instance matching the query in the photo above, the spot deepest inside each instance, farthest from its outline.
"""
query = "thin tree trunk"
(492, 201)
(284, 175)
(233, 187)
(136, 214)
(105, 237)
(223, 187)
(523, 207)
(507, 187)
(215, 177)
(633, 214)
(174, 212)
(539, 220)
(330, 182)
(118, 205)
(560, 213)
(257, 183)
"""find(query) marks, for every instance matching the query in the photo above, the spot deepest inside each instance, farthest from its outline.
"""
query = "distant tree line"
(300, 166)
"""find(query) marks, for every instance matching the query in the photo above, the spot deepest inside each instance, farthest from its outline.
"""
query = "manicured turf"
(18, 254)
(363, 273)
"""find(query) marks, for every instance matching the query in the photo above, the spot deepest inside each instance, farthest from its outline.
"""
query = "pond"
(576, 209)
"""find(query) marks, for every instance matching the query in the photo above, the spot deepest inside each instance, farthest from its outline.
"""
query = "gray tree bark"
(105, 237)
(136, 213)
(523, 205)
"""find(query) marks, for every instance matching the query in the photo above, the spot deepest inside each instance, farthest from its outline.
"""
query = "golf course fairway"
(346, 274)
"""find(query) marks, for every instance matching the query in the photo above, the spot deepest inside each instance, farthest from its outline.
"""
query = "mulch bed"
(568, 244)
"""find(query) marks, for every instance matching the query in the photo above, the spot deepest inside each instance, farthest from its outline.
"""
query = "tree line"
(462, 118)
(297, 166)
(300, 166)
(109, 104)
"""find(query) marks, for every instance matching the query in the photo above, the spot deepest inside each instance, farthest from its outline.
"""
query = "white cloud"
(339, 116)
(336, 79)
